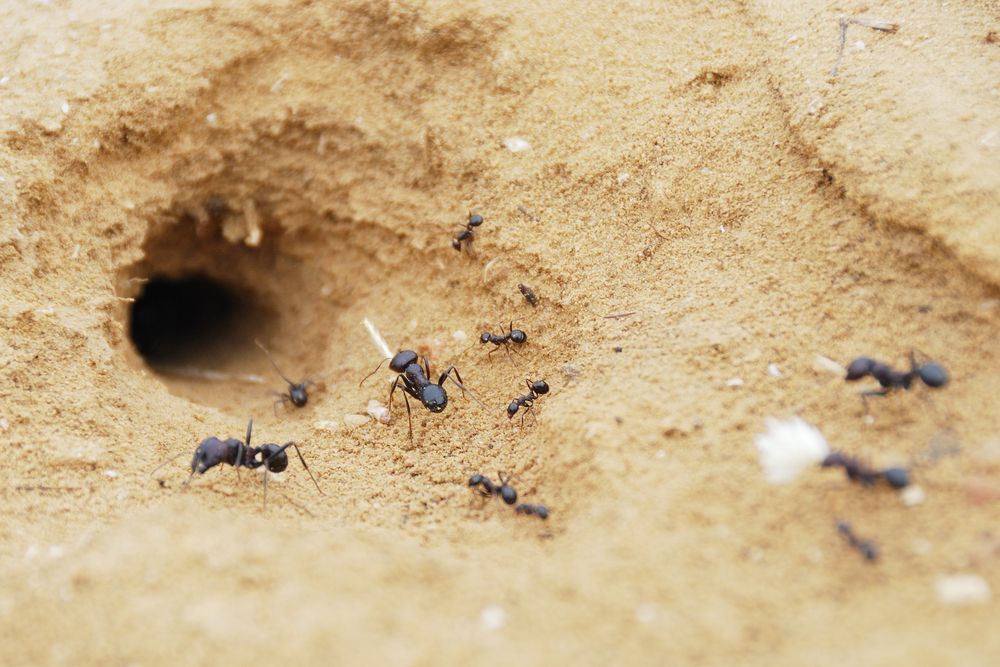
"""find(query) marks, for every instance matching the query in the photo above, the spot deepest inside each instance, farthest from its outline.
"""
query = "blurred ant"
(867, 548)
(931, 374)
(541, 511)
(513, 335)
(212, 451)
(484, 487)
(468, 234)
(897, 478)
(527, 401)
(296, 391)
(413, 380)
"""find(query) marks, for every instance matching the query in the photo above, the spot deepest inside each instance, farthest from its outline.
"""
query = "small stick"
(618, 316)
(529, 214)
(377, 338)
(874, 24)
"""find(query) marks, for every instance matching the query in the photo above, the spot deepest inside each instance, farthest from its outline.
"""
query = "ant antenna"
(170, 460)
(374, 371)
(469, 391)
(269, 358)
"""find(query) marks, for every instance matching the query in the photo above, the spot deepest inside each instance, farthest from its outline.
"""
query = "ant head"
(518, 336)
(434, 397)
(898, 478)
(274, 456)
(456, 244)
(859, 368)
(540, 387)
(475, 220)
(508, 494)
(211, 452)
(512, 409)
(297, 392)
(933, 375)
(541, 511)
(484, 338)
(402, 360)
(476, 480)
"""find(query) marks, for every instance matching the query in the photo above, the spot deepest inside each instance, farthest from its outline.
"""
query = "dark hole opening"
(179, 320)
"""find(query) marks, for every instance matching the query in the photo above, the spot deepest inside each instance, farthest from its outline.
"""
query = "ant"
(296, 391)
(513, 335)
(867, 548)
(931, 374)
(212, 451)
(897, 478)
(541, 511)
(527, 401)
(486, 488)
(413, 380)
(468, 234)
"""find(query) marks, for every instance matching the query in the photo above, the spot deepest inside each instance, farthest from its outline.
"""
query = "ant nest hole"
(218, 273)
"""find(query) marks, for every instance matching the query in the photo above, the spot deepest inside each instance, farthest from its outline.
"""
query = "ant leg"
(264, 506)
(374, 371)
(873, 392)
(427, 368)
(307, 468)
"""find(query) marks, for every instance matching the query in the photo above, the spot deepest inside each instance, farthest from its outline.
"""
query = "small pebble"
(113, 474)
(913, 495)
(212, 119)
(378, 412)
(460, 336)
(327, 425)
(516, 145)
(773, 370)
(962, 589)
(646, 613)
(4, 424)
(617, 348)
(493, 617)
(829, 365)
(734, 382)
(354, 421)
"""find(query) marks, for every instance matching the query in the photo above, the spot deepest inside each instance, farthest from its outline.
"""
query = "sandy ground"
(692, 165)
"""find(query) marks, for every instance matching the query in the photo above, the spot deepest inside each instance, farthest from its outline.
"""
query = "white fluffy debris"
(516, 145)
(962, 589)
(789, 447)
(378, 412)
(354, 421)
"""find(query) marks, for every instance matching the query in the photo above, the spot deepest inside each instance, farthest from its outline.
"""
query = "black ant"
(467, 235)
(212, 451)
(513, 335)
(867, 548)
(541, 511)
(527, 401)
(413, 381)
(297, 394)
(931, 374)
(484, 487)
(897, 478)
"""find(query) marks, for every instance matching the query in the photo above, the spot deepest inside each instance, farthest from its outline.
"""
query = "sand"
(692, 169)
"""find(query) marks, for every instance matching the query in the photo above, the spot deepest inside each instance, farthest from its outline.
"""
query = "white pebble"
(773, 370)
(962, 589)
(113, 474)
(327, 425)
(913, 495)
(646, 613)
(354, 421)
(4, 80)
(827, 364)
(378, 412)
(277, 85)
(734, 382)
(859, 45)
(516, 144)
(493, 617)
(623, 177)
(460, 336)
(4, 424)
(212, 118)
(65, 107)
